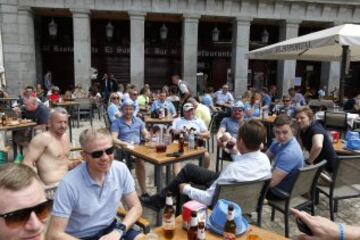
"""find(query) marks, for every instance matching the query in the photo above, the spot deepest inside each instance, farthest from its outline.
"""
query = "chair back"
(176, 105)
(212, 121)
(248, 195)
(337, 120)
(306, 179)
(347, 171)
(107, 121)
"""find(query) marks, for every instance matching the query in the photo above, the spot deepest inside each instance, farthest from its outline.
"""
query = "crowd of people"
(82, 197)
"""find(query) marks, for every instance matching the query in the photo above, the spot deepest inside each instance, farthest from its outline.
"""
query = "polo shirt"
(231, 126)
(221, 98)
(288, 159)
(327, 152)
(112, 109)
(203, 112)
(128, 133)
(157, 104)
(89, 207)
(197, 124)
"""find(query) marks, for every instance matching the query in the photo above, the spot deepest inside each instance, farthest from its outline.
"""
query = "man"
(286, 108)
(49, 151)
(36, 112)
(128, 129)
(297, 98)
(273, 92)
(133, 97)
(201, 111)
(88, 197)
(266, 98)
(223, 97)
(183, 88)
(288, 158)
(231, 124)
(251, 165)
(47, 81)
(23, 205)
(162, 103)
(186, 123)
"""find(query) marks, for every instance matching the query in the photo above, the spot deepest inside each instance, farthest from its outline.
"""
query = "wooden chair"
(345, 182)
(107, 121)
(305, 183)
(86, 109)
(248, 195)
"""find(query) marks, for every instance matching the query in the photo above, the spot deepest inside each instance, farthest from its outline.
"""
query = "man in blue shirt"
(88, 197)
(288, 158)
(266, 99)
(127, 131)
(165, 104)
(286, 108)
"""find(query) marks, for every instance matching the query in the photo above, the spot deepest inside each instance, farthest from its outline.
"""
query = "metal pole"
(344, 62)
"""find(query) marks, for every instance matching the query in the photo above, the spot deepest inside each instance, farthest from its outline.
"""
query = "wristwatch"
(120, 228)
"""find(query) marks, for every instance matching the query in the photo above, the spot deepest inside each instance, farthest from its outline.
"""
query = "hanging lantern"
(52, 26)
(109, 31)
(163, 32)
(265, 36)
(215, 34)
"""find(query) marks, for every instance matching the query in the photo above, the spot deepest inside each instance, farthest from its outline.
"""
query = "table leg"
(168, 174)
(78, 116)
(158, 177)
(70, 129)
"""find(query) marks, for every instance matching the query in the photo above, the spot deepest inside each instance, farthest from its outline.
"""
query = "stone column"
(239, 60)
(137, 49)
(82, 47)
(190, 50)
(286, 69)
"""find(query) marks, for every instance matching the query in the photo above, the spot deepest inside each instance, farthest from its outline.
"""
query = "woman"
(252, 109)
(314, 139)
(144, 98)
(113, 108)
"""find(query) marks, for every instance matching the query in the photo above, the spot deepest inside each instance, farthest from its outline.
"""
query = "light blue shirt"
(247, 167)
(207, 100)
(255, 110)
(221, 98)
(157, 104)
(298, 100)
(231, 126)
(88, 206)
(266, 100)
(112, 110)
(197, 124)
(128, 133)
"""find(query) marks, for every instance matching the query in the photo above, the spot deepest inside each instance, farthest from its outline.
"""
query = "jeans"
(130, 234)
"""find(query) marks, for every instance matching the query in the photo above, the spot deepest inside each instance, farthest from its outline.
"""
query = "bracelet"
(341, 231)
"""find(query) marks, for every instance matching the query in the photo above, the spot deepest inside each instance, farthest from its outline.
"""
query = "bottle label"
(201, 234)
(169, 201)
(168, 221)
(230, 216)
(229, 236)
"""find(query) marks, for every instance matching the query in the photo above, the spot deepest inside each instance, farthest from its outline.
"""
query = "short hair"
(91, 134)
(15, 177)
(29, 87)
(31, 100)
(57, 110)
(306, 110)
(281, 120)
(286, 96)
(253, 134)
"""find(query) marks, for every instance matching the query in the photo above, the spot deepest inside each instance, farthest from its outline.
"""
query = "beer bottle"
(201, 231)
(168, 221)
(192, 232)
(181, 143)
(230, 226)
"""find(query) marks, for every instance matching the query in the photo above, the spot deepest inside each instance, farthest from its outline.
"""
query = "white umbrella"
(339, 43)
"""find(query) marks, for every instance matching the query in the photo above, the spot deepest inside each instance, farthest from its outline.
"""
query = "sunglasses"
(99, 153)
(115, 98)
(19, 217)
(238, 109)
(286, 100)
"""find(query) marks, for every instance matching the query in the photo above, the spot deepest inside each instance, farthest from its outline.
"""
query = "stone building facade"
(20, 50)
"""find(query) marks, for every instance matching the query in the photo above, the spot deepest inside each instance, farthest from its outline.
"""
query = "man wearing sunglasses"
(88, 197)
(49, 151)
(286, 107)
(23, 205)
(287, 156)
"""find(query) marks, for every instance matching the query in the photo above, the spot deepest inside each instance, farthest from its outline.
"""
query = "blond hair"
(15, 177)
(89, 135)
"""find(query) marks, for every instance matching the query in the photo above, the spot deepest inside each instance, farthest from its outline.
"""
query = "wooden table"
(151, 121)
(159, 160)
(181, 234)
(68, 105)
(339, 149)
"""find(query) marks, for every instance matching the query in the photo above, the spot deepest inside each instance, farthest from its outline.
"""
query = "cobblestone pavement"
(348, 209)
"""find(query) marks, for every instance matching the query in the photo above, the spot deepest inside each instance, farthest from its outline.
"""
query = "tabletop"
(180, 233)
(269, 119)
(17, 126)
(150, 120)
(149, 154)
(65, 104)
(339, 149)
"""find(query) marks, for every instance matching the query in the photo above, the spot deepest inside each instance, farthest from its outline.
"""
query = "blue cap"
(238, 104)
(128, 103)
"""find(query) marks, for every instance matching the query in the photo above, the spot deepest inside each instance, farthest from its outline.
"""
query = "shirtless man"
(49, 151)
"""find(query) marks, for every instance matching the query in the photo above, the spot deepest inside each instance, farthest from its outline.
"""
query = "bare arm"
(317, 145)
(56, 229)
(277, 177)
(220, 133)
(145, 134)
(204, 134)
(135, 210)
(118, 141)
(36, 149)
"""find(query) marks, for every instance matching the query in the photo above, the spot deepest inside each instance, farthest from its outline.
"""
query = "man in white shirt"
(183, 88)
(250, 165)
(223, 97)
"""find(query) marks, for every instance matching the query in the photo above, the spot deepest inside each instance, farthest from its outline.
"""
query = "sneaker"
(154, 202)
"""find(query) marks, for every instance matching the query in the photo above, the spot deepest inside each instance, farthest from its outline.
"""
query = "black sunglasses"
(19, 217)
(115, 98)
(99, 153)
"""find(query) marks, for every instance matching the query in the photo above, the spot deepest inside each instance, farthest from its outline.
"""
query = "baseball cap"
(238, 104)
(127, 103)
(187, 107)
